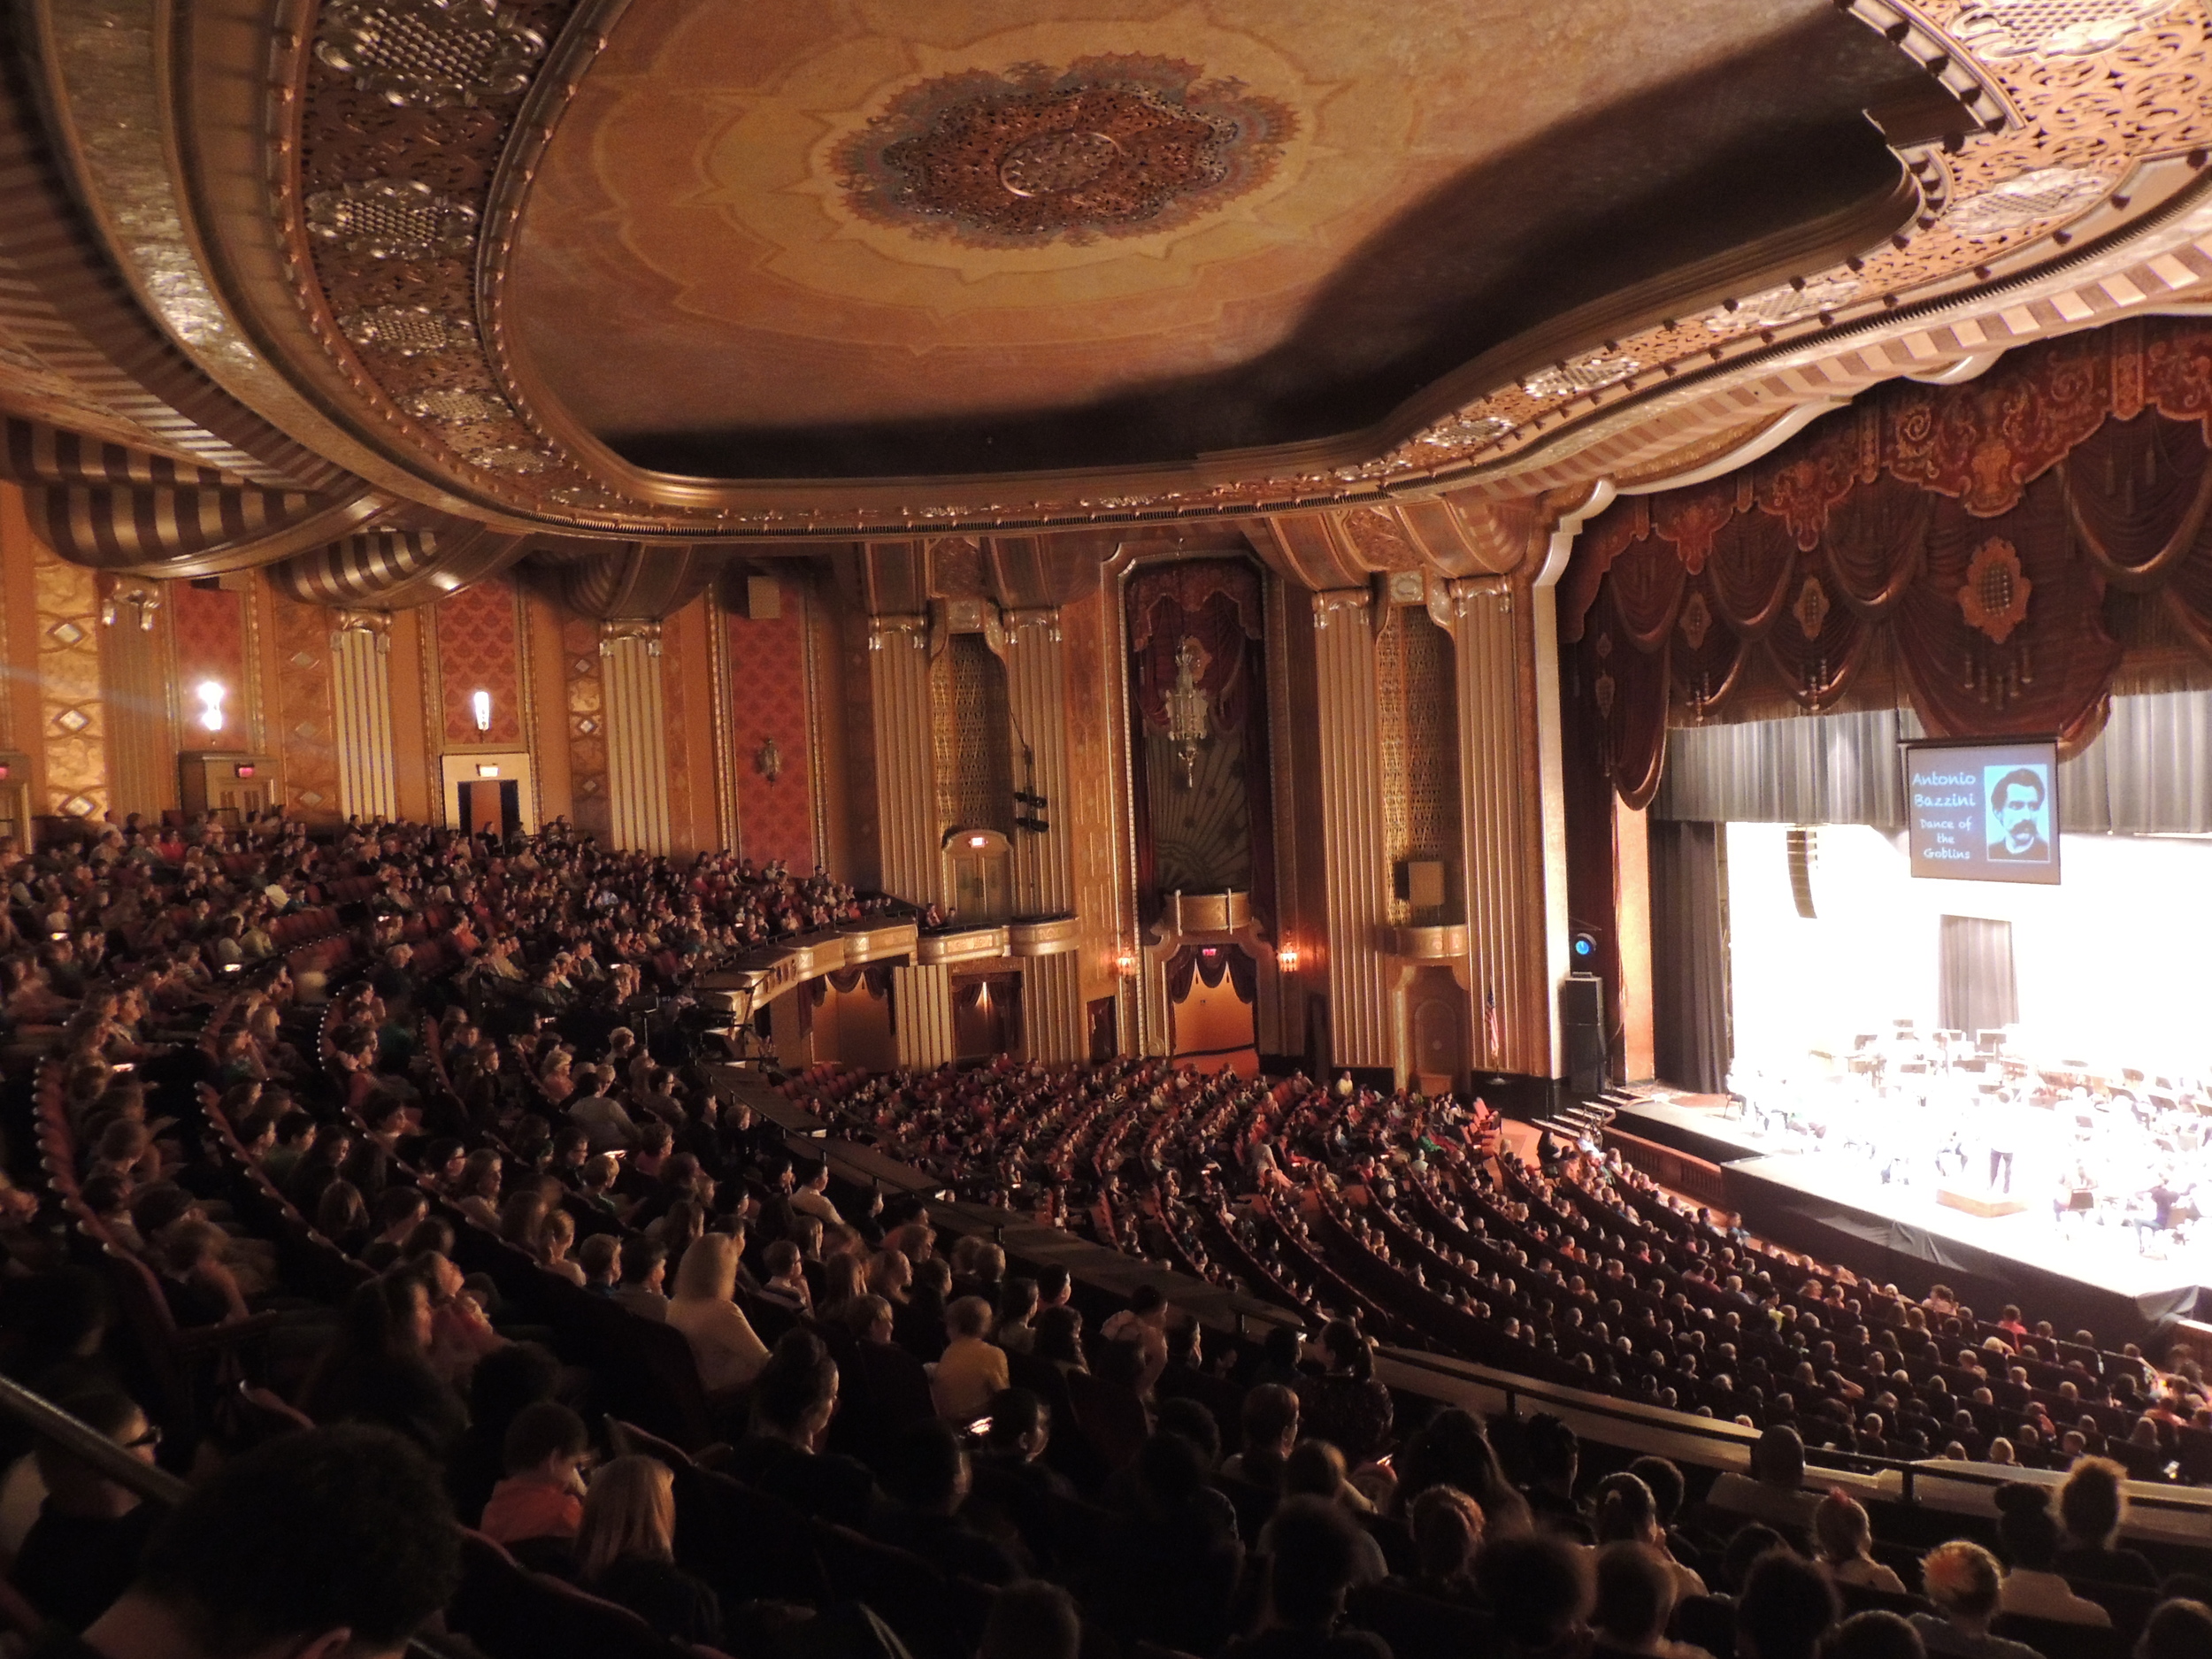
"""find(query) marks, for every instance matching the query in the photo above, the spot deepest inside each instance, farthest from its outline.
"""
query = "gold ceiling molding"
(402, 136)
(2067, 115)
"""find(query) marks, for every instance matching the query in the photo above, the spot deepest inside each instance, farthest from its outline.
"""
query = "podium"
(1987, 1205)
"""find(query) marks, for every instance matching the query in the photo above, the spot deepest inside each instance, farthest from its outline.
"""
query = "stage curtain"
(1978, 991)
(1689, 963)
(1971, 540)
(2150, 772)
(1825, 769)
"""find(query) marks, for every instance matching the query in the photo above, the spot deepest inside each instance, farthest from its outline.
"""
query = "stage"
(1833, 1205)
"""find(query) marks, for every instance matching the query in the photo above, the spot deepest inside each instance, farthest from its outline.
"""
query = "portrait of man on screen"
(2018, 814)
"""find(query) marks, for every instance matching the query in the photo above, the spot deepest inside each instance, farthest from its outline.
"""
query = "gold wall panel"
(72, 709)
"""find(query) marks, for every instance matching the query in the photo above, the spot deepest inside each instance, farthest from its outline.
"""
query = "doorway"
(491, 806)
(987, 1015)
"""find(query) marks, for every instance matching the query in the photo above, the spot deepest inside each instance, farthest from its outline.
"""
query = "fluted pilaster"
(1354, 851)
(1500, 810)
(637, 739)
(361, 695)
(906, 786)
(921, 1006)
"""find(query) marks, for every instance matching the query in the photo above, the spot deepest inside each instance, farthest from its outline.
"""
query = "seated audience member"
(1963, 1581)
(1448, 1529)
(644, 1268)
(1843, 1540)
(542, 1495)
(1454, 1449)
(1554, 1458)
(1539, 1590)
(2091, 1505)
(519, 1375)
(1014, 1494)
(1031, 1620)
(2034, 1588)
(1017, 1307)
(723, 1343)
(1625, 1512)
(786, 1285)
(554, 1243)
(1315, 1469)
(2175, 1629)
(925, 1477)
(377, 1370)
(971, 1369)
(1634, 1604)
(1786, 1606)
(1873, 1635)
(1775, 1489)
(1346, 1403)
(1270, 1429)
(1168, 1564)
(793, 1401)
(1143, 1323)
(321, 1543)
(600, 1258)
(80, 1554)
(626, 1551)
(1309, 1571)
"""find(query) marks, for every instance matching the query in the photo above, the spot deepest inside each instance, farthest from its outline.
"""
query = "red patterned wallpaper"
(768, 703)
(209, 627)
(480, 648)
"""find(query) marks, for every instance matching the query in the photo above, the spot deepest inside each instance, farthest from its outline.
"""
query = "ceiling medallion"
(1113, 146)
(391, 219)
(1998, 29)
(1771, 308)
(2027, 199)
(406, 331)
(429, 54)
(1585, 375)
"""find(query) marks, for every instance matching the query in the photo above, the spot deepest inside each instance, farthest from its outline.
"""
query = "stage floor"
(1848, 1194)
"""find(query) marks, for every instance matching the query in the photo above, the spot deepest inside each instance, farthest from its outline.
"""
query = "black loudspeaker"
(1582, 1025)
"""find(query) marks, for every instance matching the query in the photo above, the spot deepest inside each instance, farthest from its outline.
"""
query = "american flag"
(1493, 1027)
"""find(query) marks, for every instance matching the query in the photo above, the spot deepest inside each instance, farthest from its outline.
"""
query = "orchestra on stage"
(1990, 1127)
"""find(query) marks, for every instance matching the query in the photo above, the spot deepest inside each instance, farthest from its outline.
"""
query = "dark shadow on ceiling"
(1770, 140)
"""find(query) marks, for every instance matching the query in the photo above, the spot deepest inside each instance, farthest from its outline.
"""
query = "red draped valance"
(1974, 533)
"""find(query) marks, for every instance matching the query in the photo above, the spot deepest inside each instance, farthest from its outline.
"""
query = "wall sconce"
(481, 705)
(768, 759)
(1126, 963)
(1287, 957)
(211, 695)
(143, 602)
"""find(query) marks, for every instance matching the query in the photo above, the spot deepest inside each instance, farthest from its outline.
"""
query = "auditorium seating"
(1414, 1218)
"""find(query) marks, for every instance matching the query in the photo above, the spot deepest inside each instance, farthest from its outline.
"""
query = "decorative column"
(1354, 851)
(1501, 813)
(637, 739)
(139, 669)
(361, 688)
(906, 811)
(1044, 864)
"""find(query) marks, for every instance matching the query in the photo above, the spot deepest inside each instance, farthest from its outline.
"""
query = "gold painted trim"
(1447, 943)
(968, 944)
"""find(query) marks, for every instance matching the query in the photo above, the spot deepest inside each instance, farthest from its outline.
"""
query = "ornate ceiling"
(396, 292)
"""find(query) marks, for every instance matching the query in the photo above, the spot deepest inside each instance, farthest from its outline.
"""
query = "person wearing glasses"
(80, 1554)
